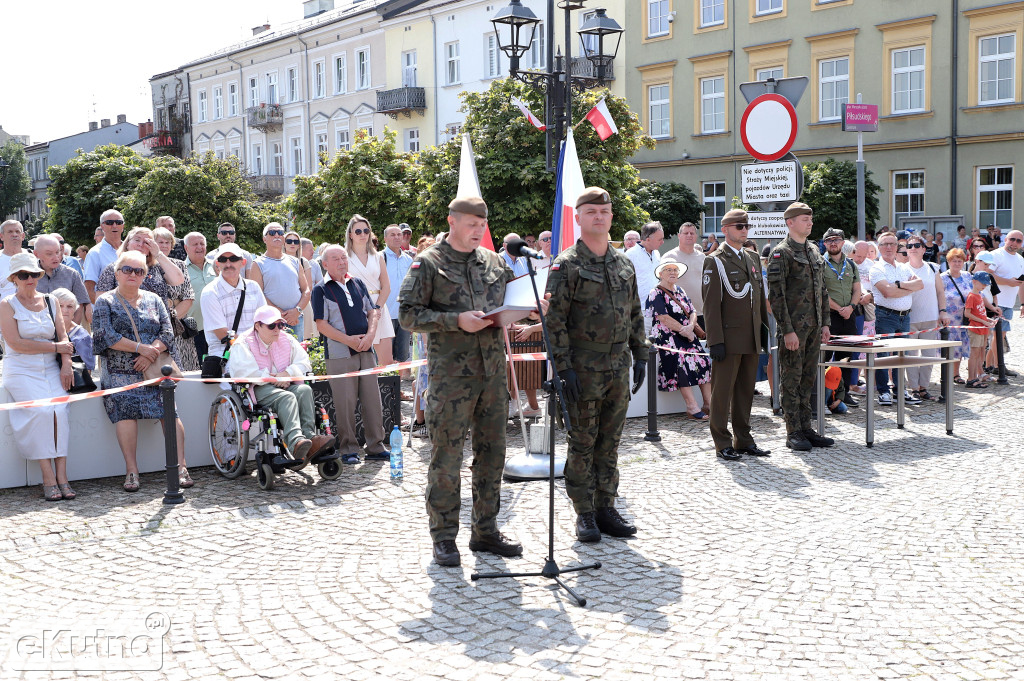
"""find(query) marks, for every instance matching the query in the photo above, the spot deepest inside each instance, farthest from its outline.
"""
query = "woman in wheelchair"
(264, 351)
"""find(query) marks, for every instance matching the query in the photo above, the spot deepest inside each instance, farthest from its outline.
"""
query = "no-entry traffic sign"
(768, 127)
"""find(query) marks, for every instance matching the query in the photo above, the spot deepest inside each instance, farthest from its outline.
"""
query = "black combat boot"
(610, 522)
(446, 553)
(818, 440)
(496, 543)
(586, 527)
(798, 441)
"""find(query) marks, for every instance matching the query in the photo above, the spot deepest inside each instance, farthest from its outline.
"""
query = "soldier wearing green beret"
(445, 294)
(799, 300)
(596, 327)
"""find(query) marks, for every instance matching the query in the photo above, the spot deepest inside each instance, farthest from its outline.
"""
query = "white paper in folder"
(519, 301)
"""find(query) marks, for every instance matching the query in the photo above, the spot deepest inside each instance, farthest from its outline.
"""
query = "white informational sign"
(767, 226)
(766, 182)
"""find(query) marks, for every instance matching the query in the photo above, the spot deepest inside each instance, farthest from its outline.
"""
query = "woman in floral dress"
(958, 285)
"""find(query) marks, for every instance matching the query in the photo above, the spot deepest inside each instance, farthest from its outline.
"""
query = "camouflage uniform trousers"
(592, 467)
(454, 405)
(797, 372)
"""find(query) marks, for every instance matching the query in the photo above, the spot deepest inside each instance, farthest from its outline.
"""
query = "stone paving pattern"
(901, 561)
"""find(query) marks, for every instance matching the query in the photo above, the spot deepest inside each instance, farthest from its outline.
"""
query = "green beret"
(593, 195)
(734, 216)
(797, 209)
(470, 205)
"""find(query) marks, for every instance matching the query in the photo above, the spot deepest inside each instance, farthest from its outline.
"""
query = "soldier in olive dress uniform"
(596, 327)
(734, 314)
(799, 299)
(445, 294)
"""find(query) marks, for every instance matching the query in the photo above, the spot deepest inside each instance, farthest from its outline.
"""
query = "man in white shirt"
(518, 265)
(630, 239)
(645, 257)
(693, 257)
(1007, 266)
(219, 300)
(105, 252)
(544, 240)
(13, 234)
(398, 262)
(892, 284)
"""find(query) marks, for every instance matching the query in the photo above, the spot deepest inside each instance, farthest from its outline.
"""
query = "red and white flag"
(564, 230)
(602, 120)
(469, 183)
(529, 114)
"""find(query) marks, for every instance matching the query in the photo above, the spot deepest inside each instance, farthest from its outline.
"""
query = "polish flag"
(569, 186)
(469, 184)
(602, 120)
(529, 114)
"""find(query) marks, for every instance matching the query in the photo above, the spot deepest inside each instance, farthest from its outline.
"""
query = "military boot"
(446, 553)
(586, 527)
(610, 522)
(496, 543)
(798, 441)
(818, 440)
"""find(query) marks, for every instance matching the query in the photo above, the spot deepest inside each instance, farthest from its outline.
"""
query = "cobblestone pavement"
(901, 561)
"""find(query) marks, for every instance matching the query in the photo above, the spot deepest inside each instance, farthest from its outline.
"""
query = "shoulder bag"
(82, 381)
(154, 370)
(213, 366)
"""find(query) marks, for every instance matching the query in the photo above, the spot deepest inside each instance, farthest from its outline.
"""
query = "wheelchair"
(238, 424)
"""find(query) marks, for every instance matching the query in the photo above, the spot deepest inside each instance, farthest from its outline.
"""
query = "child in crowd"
(979, 325)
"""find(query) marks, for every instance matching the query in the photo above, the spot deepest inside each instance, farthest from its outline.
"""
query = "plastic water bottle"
(396, 455)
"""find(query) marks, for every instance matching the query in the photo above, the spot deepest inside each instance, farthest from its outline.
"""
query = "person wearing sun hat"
(267, 350)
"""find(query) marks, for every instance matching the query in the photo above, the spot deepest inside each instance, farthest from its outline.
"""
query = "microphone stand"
(556, 400)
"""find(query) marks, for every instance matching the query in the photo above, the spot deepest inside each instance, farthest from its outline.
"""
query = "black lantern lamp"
(600, 37)
(514, 27)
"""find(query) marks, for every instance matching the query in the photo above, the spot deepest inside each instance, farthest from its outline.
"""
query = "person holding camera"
(842, 281)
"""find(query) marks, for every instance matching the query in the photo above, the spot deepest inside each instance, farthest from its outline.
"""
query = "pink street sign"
(860, 117)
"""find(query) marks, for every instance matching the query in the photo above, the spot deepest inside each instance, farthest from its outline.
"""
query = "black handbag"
(214, 365)
(184, 327)
(82, 377)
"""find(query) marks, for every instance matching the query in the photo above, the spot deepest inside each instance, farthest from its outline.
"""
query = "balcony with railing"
(265, 117)
(402, 100)
(267, 186)
(582, 67)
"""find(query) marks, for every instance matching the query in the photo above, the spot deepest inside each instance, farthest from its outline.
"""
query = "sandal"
(184, 479)
(131, 482)
(958, 380)
(52, 493)
(699, 416)
(975, 383)
(66, 491)
(923, 394)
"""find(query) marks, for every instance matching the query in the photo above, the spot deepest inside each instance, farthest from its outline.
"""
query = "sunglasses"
(901, 252)
(227, 232)
(1015, 239)
(291, 241)
(277, 325)
(915, 245)
(546, 238)
(978, 246)
(24, 276)
(113, 222)
(274, 232)
(137, 271)
(360, 230)
(833, 240)
(740, 225)
(228, 258)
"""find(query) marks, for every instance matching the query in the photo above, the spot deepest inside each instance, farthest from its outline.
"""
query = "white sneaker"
(419, 430)
(885, 399)
(908, 398)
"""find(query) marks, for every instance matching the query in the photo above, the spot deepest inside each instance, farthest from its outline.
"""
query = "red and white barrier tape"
(48, 401)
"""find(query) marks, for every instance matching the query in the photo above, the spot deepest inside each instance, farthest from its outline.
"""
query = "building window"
(412, 140)
(774, 72)
(768, 7)
(714, 203)
(907, 193)
(492, 56)
(657, 18)
(293, 84)
(257, 159)
(234, 150)
(254, 91)
(272, 88)
(218, 103)
(409, 68)
(319, 82)
(451, 131)
(659, 111)
(908, 80)
(363, 68)
(233, 99)
(296, 145)
(995, 197)
(537, 53)
(321, 149)
(996, 64)
(202, 106)
(834, 81)
(341, 74)
(712, 104)
(342, 139)
(712, 12)
(277, 160)
(453, 70)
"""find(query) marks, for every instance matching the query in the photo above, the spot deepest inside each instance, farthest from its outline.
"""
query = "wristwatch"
(898, 284)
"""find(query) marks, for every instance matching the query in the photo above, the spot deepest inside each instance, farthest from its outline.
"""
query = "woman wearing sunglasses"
(131, 328)
(364, 262)
(33, 331)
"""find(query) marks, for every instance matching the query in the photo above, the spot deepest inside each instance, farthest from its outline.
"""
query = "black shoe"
(992, 371)
(818, 440)
(610, 522)
(378, 456)
(850, 401)
(586, 527)
(446, 553)
(497, 544)
(729, 454)
(754, 450)
(1009, 374)
(798, 441)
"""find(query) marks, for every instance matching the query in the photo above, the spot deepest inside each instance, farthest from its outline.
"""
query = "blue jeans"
(400, 346)
(297, 329)
(887, 322)
(1008, 315)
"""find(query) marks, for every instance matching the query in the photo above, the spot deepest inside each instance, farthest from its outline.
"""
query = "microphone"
(517, 248)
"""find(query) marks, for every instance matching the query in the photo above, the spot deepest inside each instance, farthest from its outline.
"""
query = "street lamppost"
(515, 27)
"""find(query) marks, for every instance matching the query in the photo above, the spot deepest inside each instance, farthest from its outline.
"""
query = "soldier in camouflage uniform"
(596, 326)
(799, 300)
(445, 294)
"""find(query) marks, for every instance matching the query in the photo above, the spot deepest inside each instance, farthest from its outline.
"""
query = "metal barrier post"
(173, 494)
(946, 355)
(652, 434)
(999, 353)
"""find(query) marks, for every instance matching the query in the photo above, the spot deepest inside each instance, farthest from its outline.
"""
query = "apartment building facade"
(946, 77)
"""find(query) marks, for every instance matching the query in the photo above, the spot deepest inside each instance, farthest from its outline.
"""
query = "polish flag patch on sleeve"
(556, 266)
(415, 265)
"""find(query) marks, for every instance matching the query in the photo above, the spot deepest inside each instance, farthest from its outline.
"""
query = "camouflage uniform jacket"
(796, 287)
(441, 284)
(595, 319)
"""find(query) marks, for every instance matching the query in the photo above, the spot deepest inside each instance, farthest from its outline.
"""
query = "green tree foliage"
(199, 193)
(830, 188)
(670, 203)
(89, 184)
(372, 179)
(510, 161)
(15, 189)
